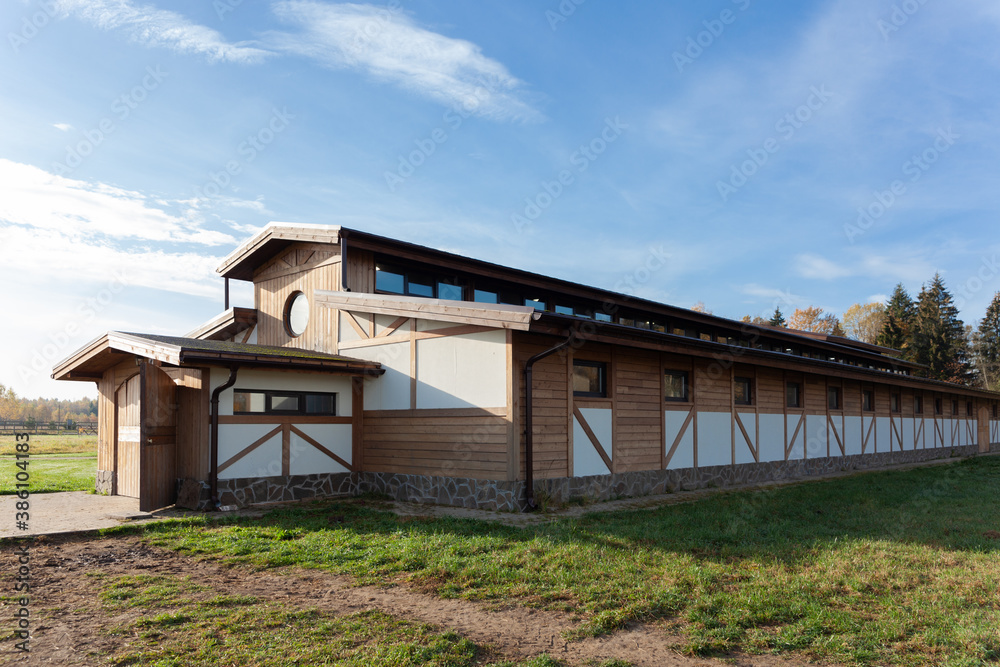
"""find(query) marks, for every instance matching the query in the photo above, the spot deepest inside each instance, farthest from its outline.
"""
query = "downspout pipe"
(529, 448)
(213, 473)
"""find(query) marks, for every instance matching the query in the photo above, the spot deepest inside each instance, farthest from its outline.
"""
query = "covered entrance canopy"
(154, 403)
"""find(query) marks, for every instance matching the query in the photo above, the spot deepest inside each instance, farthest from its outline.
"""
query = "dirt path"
(70, 620)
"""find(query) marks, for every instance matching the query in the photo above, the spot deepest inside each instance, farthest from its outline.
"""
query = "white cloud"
(35, 198)
(52, 255)
(813, 266)
(388, 45)
(77, 234)
(154, 27)
(904, 266)
(780, 297)
(63, 127)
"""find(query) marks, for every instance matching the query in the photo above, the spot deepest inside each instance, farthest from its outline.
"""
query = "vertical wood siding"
(296, 271)
(128, 434)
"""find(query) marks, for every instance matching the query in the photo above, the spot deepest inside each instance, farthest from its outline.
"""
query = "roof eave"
(241, 263)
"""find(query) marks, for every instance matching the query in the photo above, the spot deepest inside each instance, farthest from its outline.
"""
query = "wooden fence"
(12, 426)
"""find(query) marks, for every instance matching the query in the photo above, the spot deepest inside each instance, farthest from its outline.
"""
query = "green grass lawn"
(49, 474)
(55, 463)
(84, 445)
(186, 624)
(886, 567)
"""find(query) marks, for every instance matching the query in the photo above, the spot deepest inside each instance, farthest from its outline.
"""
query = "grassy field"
(81, 445)
(883, 568)
(185, 624)
(55, 463)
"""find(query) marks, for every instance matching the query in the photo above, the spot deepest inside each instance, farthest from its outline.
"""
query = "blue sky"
(790, 154)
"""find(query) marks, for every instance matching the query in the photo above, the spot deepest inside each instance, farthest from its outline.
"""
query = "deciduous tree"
(8, 403)
(813, 319)
(864, 322)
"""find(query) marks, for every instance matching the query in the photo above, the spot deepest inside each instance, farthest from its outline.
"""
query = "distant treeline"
(45, 410)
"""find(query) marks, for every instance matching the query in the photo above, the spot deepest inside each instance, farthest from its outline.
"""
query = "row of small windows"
(261, 402)
(394, 280)
(590, 381)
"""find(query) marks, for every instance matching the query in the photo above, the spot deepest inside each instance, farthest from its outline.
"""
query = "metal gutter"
(213, 473)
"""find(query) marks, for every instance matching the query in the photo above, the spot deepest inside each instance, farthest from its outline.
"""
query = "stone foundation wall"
(505, 496)
(193, 494)
(495, 495)
(652, 482)
(105, 482)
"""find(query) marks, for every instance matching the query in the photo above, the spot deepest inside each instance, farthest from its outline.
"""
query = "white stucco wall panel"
(772, 438)
(715, 439)
(468, 371)
(684, 454)
(853, 435)
(265, 461)
(304, 459)
(797, 441)
(391, 391)
(883, 433)
(906, 429)
(817, 436)
(743, 452)
(586, 460)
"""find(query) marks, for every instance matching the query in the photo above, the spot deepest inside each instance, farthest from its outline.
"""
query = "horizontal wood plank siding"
(638, 411)
(436, 442)
(552, 407)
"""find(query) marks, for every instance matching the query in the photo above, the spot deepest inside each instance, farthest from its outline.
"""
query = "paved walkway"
(52, 513)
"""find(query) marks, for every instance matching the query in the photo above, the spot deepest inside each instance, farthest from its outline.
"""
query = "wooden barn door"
(158, 437)
(127, 432)
(983, 432)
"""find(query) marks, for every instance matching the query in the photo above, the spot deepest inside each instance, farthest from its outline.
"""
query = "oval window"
(297, 314)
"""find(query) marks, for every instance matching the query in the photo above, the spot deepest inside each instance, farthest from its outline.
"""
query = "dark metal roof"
(93, 359)
(562, 325)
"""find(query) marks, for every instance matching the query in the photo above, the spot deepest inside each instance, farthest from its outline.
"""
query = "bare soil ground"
(70, 623)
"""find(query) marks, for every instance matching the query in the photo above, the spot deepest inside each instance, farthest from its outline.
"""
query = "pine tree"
(938, 337)
(777, 320)
(897, 329)
(988, 345)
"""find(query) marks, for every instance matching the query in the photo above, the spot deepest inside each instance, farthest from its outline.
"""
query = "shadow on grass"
(826, 566)
(953, 507)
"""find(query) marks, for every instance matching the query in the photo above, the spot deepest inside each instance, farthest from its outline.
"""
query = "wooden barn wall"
(193, 422)
(297, 270)
(360, 270)
(107, 387)
(638, 398)
(552, 400)
(649, 433)
(127, 443)
(468, 443)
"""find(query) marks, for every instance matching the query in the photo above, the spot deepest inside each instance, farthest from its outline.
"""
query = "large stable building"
(373, 365)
